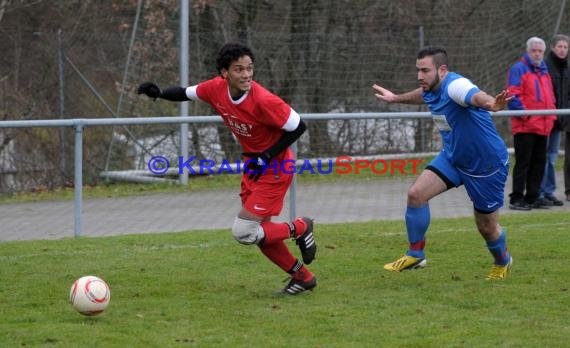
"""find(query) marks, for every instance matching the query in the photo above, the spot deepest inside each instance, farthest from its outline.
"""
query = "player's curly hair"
(231, 52)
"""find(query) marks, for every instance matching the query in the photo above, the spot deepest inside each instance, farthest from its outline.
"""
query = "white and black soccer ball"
(90, 295)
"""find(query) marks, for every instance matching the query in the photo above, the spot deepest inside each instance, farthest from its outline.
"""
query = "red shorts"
(265, 196)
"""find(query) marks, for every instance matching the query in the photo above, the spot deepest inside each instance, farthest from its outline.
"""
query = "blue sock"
(498, 249)
(417, 223)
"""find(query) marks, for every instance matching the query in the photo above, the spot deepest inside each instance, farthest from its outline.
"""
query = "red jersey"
(255, 119)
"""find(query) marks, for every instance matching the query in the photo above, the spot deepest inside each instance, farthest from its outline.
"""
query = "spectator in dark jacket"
(567, 158)
(557, 63)
(531, 86)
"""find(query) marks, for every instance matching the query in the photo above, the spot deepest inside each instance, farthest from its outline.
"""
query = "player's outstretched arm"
(485, 101)
(151, 90)
(411, 97)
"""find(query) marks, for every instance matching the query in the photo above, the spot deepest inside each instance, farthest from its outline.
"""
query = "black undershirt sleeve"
(286, 140)
(174, 94)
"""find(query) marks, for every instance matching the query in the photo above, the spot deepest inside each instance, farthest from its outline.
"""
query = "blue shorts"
(487, 192)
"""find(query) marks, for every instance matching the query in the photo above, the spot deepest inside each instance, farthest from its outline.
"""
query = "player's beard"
(435, 84)
(430, 87)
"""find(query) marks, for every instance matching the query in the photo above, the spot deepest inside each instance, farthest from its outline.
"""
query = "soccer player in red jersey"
(265, 126)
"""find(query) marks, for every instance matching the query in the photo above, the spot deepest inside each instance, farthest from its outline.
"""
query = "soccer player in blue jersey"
(473, 155)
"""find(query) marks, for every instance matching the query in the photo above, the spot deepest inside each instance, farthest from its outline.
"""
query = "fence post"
(184, 68)
(63, 154)
(78, 176)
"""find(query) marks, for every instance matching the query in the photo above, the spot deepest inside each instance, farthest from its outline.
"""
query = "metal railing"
(79, 124)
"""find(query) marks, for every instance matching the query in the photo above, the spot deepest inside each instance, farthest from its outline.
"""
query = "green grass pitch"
(202, 289)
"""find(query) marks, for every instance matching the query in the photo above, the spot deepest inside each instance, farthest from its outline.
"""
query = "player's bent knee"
(415, 196)
(247, 231)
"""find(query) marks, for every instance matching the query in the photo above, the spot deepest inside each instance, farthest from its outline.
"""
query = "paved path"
(382, 199)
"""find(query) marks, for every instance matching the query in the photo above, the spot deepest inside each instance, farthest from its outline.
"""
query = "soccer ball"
(90, 295)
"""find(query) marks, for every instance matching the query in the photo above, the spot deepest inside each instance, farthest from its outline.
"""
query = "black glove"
(256, 164)
(150, 89)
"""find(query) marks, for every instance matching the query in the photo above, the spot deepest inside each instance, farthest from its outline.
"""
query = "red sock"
(300, 226)
(303, 274)
(279, 254)
(275, 232)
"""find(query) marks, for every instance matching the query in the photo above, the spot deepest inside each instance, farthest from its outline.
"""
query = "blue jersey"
(470, 139)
